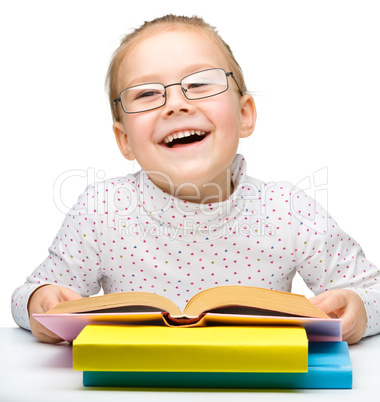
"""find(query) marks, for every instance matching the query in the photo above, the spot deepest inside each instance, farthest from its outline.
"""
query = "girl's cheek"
(138, 125)
(225, 109)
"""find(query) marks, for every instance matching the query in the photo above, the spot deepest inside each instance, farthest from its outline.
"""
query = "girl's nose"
(176, 102)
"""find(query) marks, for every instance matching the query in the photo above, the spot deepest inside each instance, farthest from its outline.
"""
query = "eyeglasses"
(199, 85)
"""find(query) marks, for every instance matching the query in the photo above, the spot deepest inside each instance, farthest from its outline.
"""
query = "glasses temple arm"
(234, 78)
(115, 107)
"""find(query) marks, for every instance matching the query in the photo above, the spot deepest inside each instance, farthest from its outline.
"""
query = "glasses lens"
(205, 83)
(142, 97)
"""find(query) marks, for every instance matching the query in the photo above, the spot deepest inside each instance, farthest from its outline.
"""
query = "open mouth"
(183, 138)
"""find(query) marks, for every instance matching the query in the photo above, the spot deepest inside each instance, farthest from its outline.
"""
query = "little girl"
(191, 218)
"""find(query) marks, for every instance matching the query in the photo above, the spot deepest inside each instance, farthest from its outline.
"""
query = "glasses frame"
(183, 90)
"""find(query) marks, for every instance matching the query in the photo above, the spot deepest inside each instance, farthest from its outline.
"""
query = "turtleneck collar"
(185, 219)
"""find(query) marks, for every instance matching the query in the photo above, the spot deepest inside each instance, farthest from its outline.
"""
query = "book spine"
(314, 379)
(193, 358)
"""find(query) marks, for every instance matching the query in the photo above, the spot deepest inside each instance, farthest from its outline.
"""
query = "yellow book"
(198, 349)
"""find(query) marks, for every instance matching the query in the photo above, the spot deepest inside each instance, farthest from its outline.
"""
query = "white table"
(33, 371)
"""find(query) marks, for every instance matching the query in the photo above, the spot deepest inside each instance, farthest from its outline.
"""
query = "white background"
(313, 67)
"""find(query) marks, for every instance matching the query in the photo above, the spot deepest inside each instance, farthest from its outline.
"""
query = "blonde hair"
(160, 24)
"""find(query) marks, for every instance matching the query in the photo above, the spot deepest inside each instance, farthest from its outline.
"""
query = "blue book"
(329, 366)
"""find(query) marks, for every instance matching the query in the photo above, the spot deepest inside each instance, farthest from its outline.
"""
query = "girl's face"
(166, 58)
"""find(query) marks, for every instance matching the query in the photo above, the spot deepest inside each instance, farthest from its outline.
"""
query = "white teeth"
(182, 134)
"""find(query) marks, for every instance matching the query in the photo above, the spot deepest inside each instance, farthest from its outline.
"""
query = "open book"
(223, 305)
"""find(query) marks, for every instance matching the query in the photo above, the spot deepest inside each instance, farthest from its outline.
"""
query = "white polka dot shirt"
(128, 235)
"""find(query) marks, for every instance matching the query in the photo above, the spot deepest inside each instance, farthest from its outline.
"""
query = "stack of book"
(227, 337)
(222, 357)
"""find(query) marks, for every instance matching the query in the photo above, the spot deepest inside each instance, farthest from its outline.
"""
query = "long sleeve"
(73, 260)
(327, 258)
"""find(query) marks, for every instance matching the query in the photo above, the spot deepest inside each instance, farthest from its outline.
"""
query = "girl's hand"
(347, 305)
(42, 300)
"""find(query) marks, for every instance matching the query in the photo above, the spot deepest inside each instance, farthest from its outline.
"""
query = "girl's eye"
(147, 94)
(196, 85)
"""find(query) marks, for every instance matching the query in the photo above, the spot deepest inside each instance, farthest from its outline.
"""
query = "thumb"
(331, 302)
(69, 294)
(319, 298)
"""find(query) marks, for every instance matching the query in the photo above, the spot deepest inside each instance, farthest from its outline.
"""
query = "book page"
(267, 299)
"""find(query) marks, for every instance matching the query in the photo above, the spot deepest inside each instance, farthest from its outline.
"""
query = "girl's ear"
(122, 141)
(248, 116)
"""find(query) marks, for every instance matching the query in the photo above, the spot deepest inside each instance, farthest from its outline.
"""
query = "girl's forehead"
(171, 52)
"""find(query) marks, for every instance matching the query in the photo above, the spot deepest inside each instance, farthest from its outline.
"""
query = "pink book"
(68, 326)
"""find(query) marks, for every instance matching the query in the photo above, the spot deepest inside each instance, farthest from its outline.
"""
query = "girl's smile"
(185, 137)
